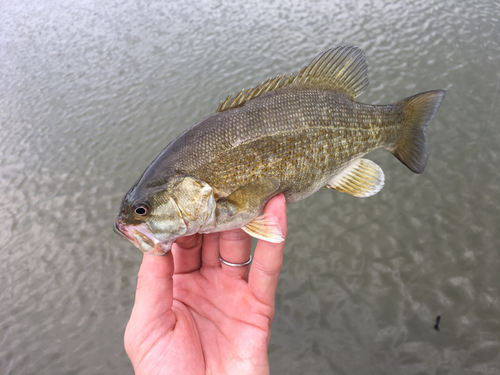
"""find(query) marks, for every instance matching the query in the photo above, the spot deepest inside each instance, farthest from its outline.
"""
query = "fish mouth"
(141, 237)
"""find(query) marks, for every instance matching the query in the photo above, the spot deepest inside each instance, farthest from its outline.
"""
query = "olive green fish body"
(302, 137)
(291, 135)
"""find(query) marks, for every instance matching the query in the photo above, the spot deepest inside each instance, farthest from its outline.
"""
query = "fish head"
(153, 218)
(152, 222)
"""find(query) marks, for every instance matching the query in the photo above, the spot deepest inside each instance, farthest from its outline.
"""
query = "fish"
(292, 134)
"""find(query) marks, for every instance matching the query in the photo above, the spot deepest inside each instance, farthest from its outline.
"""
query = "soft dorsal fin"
(340, 68)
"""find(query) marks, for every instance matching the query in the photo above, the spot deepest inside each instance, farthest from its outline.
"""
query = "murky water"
(91, 91)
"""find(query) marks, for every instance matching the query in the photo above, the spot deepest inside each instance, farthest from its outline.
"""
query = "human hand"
(204, 317)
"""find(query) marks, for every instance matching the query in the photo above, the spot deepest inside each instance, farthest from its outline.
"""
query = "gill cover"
(196, 203)
(165, 219)
(183, 208)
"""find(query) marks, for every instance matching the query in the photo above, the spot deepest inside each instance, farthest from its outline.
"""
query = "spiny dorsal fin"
(340, 68)
(243, 97)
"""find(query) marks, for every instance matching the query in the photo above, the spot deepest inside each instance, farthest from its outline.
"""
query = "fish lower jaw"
(160, 249)
(141, 237)
(143, 243)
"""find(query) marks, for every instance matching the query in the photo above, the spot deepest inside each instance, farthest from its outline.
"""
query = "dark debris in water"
(436, 326)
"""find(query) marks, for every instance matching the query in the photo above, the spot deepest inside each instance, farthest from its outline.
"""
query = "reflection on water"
(92, 91)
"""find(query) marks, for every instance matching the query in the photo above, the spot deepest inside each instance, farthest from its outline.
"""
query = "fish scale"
(291, 135)
(350, 131)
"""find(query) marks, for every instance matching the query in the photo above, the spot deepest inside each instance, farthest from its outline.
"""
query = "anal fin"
(361, 178)
(265, 227)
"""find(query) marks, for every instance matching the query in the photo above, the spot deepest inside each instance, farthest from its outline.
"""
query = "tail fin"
(418, 111)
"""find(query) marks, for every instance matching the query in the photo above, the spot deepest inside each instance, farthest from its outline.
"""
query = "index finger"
(187, 253)
(154, 295)
(268, 257)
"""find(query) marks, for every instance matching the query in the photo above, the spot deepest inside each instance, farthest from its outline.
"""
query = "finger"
(235, 247)
(268, 257)
(210, 250)
(187, 253)
(154, 295)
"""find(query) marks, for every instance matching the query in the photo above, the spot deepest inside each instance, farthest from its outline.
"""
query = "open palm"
(204, 317)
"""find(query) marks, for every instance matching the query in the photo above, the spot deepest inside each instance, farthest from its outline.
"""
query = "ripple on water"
(91, 93)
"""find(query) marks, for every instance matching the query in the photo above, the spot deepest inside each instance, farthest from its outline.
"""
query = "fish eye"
(141, 209)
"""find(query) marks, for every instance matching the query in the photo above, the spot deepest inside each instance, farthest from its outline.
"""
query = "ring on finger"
(236, 264)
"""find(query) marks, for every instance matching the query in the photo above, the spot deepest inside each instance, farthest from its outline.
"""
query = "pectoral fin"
(249, 197)
(361, 178)
(244, 204)
(265, 227)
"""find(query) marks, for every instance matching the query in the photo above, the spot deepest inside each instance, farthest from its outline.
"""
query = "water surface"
(91, 92)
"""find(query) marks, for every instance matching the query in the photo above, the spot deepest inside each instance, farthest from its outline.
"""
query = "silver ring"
(235, 264)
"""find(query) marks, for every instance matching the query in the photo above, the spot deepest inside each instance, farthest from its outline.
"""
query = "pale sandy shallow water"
(91, 91)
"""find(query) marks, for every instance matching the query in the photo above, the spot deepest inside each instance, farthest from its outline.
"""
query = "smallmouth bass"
(292, 135)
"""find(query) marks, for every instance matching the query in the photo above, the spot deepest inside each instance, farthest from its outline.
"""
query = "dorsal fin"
(253, 92)
(340, 68)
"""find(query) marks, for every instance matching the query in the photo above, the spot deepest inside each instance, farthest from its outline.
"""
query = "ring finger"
(235, 247)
